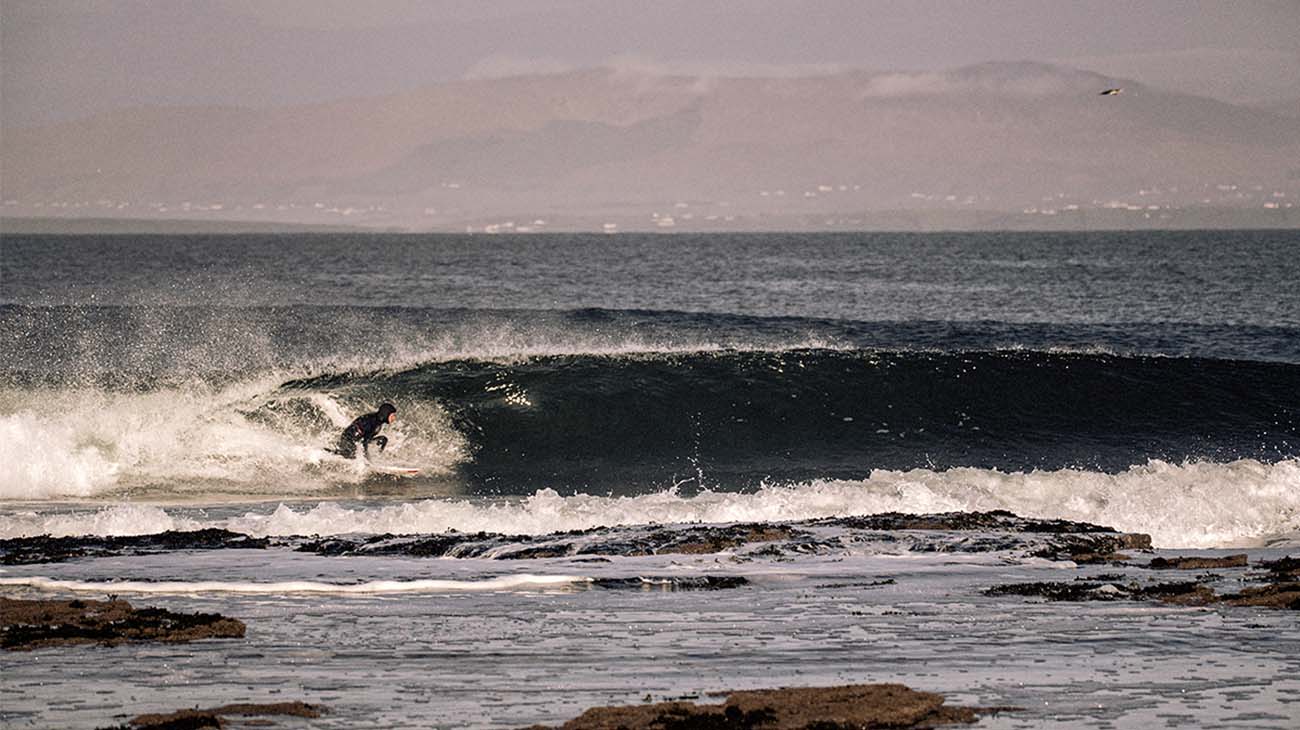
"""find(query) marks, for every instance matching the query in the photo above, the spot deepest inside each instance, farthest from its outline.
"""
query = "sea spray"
(244, 438)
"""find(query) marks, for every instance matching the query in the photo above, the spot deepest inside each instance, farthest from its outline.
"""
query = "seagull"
(1112, 92)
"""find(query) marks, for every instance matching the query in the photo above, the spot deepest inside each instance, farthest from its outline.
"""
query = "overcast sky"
(72, 58)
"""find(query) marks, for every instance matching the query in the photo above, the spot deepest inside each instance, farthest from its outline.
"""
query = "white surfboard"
(395, 470)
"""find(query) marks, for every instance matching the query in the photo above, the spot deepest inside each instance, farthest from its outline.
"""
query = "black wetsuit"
(366, 430)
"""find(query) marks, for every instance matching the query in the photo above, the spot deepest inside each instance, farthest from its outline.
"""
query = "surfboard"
(396, 470)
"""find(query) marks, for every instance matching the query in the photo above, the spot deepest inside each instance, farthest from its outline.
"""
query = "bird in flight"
(1112, 92)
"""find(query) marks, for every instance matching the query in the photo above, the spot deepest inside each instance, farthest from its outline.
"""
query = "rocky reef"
(851, 707)
(46, 549)
(218, 717)
(630, 541)
(948, 532)
(1278, 585)
(37, 624)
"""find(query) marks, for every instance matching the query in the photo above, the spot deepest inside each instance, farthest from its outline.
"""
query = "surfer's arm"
(357, 430)
(368, 431)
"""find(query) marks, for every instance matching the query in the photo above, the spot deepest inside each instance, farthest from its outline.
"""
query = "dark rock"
(854, 707)
(1064, 591)
(1189, 593)
(862, 584)
(994, 521)
(627, 542)
(976, 532)
(46, 549)
(425, 546)
(535, 551)
(1287, 568)
(1093, 547)
(1099, 558)
(716, 539)
(1198, 563)
(28, 625)
(1277, 595)
(675, 583)
(179, 720)
(209, 718)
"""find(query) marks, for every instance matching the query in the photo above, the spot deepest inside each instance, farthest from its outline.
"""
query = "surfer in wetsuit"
(366, 430)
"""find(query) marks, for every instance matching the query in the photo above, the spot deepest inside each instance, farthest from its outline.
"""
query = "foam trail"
(523, 581)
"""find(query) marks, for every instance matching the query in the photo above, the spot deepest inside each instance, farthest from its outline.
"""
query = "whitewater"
(1200, 505)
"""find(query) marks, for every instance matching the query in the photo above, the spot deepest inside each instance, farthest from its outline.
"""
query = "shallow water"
(509, 658)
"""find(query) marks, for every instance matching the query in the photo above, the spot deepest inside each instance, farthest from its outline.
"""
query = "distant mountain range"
(605, 143)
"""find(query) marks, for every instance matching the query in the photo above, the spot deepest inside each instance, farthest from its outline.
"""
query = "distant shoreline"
(895, 221)
(108, 226)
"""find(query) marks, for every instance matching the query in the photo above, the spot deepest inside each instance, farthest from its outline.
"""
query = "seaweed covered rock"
(46, 549)
(1196, 562)
(214, 717)
(597, 541)
(36, 624)
(1284, 595)
(1277, 595)
(850, 707)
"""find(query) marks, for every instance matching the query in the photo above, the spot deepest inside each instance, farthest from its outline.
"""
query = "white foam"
(86, 443)
(115, 521)
(1192, 505)
(377, 587)
(1243, 503)
(1238, 504)
(39, 459)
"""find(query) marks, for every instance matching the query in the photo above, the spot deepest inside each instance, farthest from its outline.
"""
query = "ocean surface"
(1145, 381)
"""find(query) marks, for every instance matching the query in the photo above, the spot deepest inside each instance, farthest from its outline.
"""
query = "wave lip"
(370, 588)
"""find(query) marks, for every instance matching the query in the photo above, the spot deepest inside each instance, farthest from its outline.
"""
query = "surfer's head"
(387, 412)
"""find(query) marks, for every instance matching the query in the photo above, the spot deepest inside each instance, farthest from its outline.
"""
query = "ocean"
(571, 399)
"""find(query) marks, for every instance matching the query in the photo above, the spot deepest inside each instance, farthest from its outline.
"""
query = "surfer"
(366, 430)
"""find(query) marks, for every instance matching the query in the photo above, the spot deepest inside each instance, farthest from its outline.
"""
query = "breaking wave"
(188, 443)
(638, 422)
(1241, 503)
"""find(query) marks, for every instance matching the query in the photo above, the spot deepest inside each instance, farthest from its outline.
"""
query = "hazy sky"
(64, 59)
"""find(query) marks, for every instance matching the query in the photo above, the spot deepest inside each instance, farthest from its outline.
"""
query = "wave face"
(646, 421)
(738, 419)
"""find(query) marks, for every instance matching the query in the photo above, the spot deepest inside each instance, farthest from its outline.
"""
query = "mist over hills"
(648, 150)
